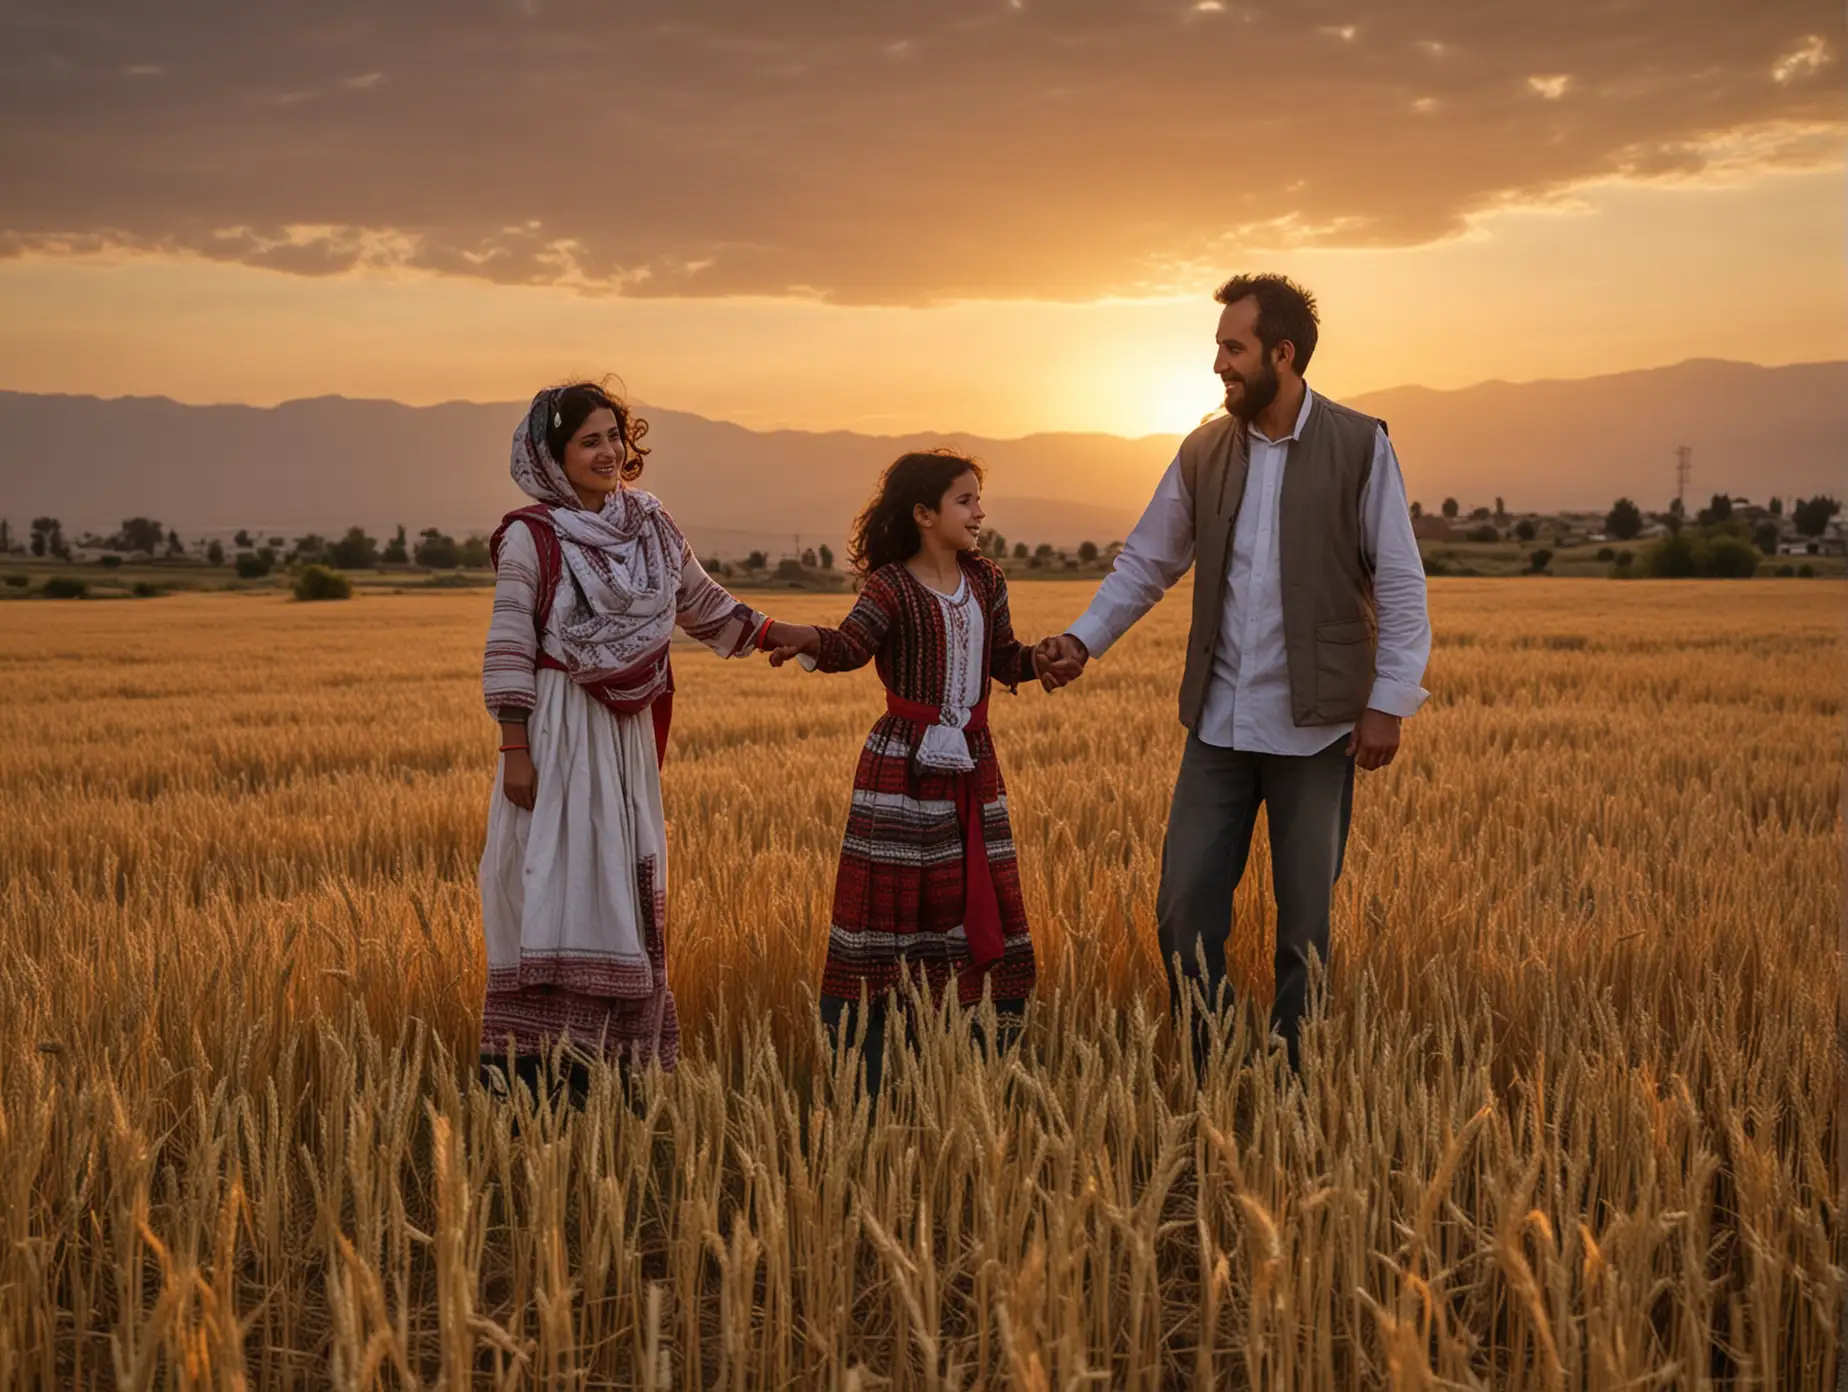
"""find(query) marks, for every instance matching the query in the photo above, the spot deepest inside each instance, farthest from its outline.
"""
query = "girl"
(589, 583)
(927, 885)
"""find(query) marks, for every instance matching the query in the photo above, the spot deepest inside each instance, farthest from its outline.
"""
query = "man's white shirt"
(1248, 696)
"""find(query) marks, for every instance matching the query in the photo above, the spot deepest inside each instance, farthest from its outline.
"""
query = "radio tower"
(1684, 465)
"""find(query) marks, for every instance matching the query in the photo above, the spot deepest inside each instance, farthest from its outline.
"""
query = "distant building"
(1430, 528)
(1832, 542)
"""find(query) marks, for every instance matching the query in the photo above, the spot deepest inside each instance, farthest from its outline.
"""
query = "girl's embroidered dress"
(928, 767)
(574, 893)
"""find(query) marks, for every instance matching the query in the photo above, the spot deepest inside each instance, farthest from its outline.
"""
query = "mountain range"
(327, 463)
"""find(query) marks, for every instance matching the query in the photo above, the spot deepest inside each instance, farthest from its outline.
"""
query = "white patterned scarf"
(616, 613)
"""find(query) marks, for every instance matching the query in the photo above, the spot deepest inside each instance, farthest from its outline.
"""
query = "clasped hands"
(1059, 660)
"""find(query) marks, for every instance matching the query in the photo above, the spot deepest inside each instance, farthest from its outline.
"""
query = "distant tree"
(1777, 507)
(48, 538)
(311, 548)
(1812, 514)
(1540, 559)
(276, 543)
(318, 582)
(1765, 536)
(139, 534)
(1719, 509)
(1020, 550)
(254, 565)
(1044, 551)
(1729, 558)
(827, 556)
(1525, 529)
(1480, 514)
(354, 551)
(1676, 515)
(1485, 532)
(434, 551)
(215, 551)
(1624, 521)
(1087, 552)
(810, 559)
(397, 551)
(1417, 510)
(6, 538)
(1625, 559)
(757, 560)
(175, 547)
(1451, 509)
(1501, 513)
(473, 554)
(242, 540)
(63, 587)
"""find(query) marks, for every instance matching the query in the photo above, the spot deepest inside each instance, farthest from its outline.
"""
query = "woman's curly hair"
(573, 403)
(887, 529)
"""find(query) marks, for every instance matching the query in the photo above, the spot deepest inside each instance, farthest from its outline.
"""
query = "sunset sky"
(1001, 217)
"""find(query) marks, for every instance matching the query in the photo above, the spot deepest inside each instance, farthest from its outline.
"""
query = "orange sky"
(999, 217)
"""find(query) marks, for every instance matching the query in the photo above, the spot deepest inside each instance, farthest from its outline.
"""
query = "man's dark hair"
(1285, 311)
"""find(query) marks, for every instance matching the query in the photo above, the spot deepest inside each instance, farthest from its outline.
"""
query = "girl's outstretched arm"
(1010, 661)
(856, 642)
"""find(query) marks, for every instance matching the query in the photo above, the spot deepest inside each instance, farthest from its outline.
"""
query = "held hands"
(1375, 740)
(793, 640)
(1059, 660)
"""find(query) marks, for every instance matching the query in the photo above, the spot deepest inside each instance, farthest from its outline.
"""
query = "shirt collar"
(1302, 419)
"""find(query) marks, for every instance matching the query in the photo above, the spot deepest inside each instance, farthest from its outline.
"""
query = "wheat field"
(1568, 1122)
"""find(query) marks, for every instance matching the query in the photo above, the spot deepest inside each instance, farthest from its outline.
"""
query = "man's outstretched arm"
(1155, 556)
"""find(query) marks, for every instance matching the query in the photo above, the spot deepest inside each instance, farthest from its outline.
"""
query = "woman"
(927, 885)
(589, 584)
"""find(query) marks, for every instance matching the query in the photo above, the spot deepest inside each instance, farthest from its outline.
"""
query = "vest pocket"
(1343, 668)
(1342, 631)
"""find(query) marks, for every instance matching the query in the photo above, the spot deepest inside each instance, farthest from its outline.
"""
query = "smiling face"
(593, 459)
(1249, 374)
(956, 522)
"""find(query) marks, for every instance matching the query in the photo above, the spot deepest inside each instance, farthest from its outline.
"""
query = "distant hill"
(323, 464)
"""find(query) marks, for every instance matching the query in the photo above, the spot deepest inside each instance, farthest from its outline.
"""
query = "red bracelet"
(760, 639)
(510, 748)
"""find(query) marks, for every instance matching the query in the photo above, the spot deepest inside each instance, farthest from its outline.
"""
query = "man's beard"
(1249, 403)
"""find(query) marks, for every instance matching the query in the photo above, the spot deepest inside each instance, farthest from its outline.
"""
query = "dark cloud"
(880, 151)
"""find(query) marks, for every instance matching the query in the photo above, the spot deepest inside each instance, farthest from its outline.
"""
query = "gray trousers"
(1216, 799)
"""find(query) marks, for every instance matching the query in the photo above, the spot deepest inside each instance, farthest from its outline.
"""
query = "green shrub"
(1806, 571)
(252, 566)
(318, 582)
(63, 587)
(18, 582)
(110, 562)
(1674, 558)
(1540, 560)
(145, 589)
(1606, 554)
(1786, 570)
(1730, 558)
(1484, 533)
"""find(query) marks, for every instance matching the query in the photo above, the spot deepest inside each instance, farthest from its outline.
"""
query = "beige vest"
(1328, 616)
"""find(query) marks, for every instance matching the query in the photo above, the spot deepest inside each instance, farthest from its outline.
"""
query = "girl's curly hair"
(887, 529)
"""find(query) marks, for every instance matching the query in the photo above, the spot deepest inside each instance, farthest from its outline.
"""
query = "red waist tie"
(661, 709)
(981, 909)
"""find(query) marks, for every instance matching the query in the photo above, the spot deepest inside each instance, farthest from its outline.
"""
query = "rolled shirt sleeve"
(1398, 588)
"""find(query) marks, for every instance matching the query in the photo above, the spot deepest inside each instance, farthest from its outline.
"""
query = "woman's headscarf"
(616, 613)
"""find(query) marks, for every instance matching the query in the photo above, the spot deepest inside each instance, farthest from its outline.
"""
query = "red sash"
(538, 520)
(981, 909)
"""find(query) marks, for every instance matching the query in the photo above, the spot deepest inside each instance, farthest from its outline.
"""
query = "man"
(1309, 639)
